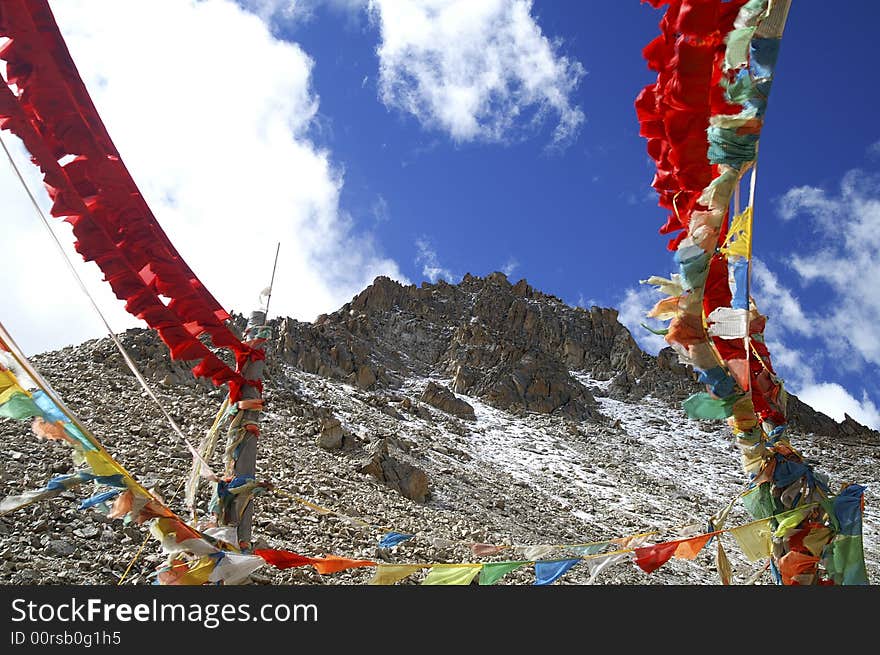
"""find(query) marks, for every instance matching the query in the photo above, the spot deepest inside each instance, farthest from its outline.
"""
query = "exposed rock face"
(504, 343)
(442, 398)
(508, 344)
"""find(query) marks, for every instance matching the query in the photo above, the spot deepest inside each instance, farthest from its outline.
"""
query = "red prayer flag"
(651, 558)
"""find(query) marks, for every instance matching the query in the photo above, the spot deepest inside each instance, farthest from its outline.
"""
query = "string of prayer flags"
(44, 102)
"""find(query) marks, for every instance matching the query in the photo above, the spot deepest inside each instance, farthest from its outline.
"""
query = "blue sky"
(430, 138)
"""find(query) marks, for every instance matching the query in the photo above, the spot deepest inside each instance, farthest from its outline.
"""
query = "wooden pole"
(243, 433)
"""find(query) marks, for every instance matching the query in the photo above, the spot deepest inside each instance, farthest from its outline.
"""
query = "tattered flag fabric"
(754, 539)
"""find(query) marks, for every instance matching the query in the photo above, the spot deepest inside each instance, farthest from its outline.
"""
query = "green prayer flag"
(759, 502)
(737, 53)
(845, 561)
(20, 406)
(790, 519)
(703, 406)
(451, 575)
(493, 571)
(662, 332)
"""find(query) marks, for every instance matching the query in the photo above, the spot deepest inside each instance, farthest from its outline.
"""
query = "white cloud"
(430, 262)
(632, 308)
(807, 199)
(481, 71)
(845, 259)
(835, 401)
(380, 209)
(786, 310)
(217, 138)
(510, 266)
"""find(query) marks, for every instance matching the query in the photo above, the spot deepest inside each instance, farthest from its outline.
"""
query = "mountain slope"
(503, 414)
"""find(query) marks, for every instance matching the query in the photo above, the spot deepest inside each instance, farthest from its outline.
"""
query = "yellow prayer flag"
(754, 539)
(9, 386)
(790, 519)
(817, 539)
(456, 574)
(723, 565)
(739, 238)
(7, 380)
(391, 573)
(102, 464)
(199, 574)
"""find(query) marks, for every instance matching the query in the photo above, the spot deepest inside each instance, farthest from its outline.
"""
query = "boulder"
(443, 399)
(410, 481)
(331, 435)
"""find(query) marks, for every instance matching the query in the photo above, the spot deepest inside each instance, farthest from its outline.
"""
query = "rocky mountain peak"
(515, 347)
(506, 343)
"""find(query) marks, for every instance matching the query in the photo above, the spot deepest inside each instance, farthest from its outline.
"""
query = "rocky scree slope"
(479, 412)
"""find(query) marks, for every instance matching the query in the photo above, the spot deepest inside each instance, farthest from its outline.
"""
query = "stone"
(60, 547)
(331, 435)
(410, 481)
(365, 377)
(87, 532)
(443, 399)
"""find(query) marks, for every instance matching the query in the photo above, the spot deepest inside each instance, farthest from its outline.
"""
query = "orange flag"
(334, 564)
(690, 548)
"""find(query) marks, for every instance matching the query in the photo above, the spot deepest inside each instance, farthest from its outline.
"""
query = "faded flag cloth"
(754, 539)
(535, 552)
(484, 550)
(454, 574)
(387, 574)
